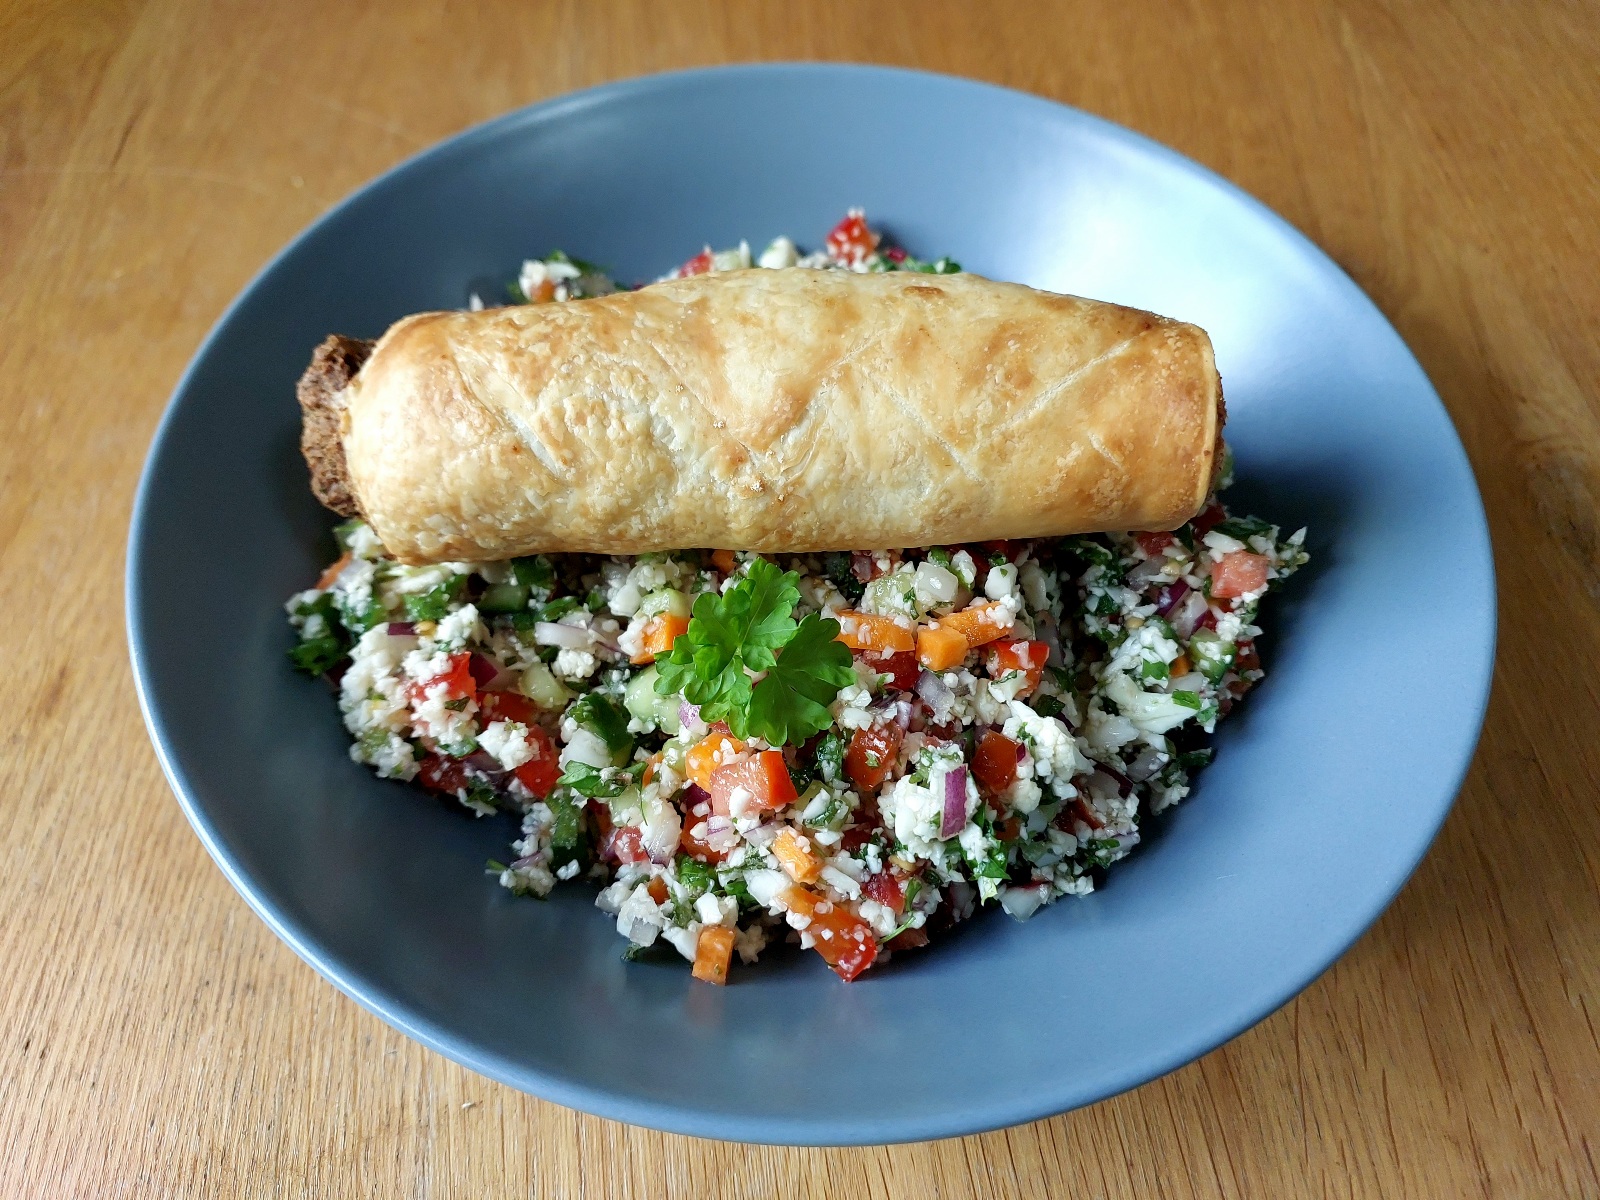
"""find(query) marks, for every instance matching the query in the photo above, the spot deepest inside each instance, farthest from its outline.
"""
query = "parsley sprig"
(746, 661)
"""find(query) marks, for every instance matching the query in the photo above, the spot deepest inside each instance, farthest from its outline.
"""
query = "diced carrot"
(994, 762)
(795, 855)
(723, 561)
(544, 292)
(764, 775)
(1014, 654)
(940, 649)
(863, 631)
(980, 623)
(845, 941)
(709, 753)
(713, 951)
(871, 755)
(332, 573)
(1180, 666)
(657, 888)
(1238, 572)
(659, 634)
(651, 765)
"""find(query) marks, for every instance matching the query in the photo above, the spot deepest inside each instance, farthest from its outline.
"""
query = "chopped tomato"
(1007, 829)
(1247, 659)
(901, 667)
(844, 940)
(539, 773)
(851, 241)
(908, 939)
(940, 649)
(863, 631)
(1013, 654)
(895, 255)
(1212, 516)
(624, 845)
(724, 561)
(698, 265)
(1086, 814)
(447, 776)
(979, 623)
(796, 857)
(994, 762)
(763, 775)
(458, 681)
(710, 752)
(693, 846)
(885, 887)
(508, 706)
(1153, 543)
(335, 569)
(1239, 572)
(659, 634)
(1208, 620)
(713, 951)
(871, 755)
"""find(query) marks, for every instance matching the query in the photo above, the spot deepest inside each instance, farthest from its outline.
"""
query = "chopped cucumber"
(656, 712)
(543, 688)
(503, 598)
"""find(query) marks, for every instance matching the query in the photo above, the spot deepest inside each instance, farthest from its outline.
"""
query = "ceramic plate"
(1329, 784)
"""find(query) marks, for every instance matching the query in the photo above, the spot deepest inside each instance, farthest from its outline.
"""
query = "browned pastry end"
(321, 391)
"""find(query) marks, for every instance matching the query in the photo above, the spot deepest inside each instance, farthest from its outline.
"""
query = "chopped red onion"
(401, 629)
(1022, 753)
(688, 716)
(481, 669)
(1170, 597)
(1191, 615)
(660, 840)
(955, 803)
(932, 689)
(567, 637)
(1145, 765)
(487, 764)
(693, 796)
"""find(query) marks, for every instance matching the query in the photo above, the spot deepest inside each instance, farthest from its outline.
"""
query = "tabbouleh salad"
(849, 750)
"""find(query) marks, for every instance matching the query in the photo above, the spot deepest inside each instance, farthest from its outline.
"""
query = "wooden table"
(157, 1040)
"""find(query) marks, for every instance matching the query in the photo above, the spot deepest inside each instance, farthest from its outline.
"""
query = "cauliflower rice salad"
(851, 750)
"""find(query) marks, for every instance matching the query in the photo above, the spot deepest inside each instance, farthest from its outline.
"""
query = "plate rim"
(677, 1118)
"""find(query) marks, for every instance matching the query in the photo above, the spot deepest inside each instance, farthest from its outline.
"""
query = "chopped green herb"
(318, 655)
(1187, 699)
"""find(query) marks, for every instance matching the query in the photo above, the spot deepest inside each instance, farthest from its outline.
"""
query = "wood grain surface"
(157, 1040)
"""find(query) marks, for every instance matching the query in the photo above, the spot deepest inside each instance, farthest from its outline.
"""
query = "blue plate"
(1329, 784)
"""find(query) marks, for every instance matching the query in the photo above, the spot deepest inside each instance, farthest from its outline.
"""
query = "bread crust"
(777, 411)
(333, 365)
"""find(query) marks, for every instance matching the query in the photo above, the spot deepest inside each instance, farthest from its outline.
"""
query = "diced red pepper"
(508, 706)
(871, 755)
(994, 762)
(845, 941)
(1014, 654)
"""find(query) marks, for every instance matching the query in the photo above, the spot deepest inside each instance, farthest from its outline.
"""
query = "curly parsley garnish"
(746, 661)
